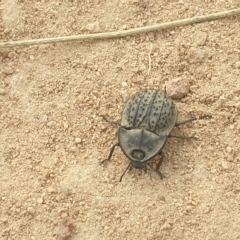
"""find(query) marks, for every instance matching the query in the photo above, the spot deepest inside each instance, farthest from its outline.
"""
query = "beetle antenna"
(109, 121)
(185, 121)
(128, 167)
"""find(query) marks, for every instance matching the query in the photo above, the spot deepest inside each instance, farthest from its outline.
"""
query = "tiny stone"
(78, 140)
(10, 54)
(31, 57)
(40, 200)
(237, 64)
(124, 84)
(4, 220)
(93, 27)
(2, 91)
(193, 203)
(229, 149)
(103, 127)
(151, 36)
(8, 70)
(177, 88)
(31, 210)
(65, 125)
(117, 215)
(200, 38)
(56, 160)
(72, 149)
(51, 124)
(188, 208)
(52, 190)
(6, 31)
(225, 165)
(58, 198)
(196, 55)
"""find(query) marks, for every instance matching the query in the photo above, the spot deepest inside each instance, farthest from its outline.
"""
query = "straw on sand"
(129, 32)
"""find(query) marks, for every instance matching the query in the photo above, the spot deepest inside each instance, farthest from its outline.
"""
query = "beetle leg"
(128, 167)
(155, 170)
(158, 165)
(186, 121)
(107, 120)
(160, 161)
(182, 137)
(110, 153)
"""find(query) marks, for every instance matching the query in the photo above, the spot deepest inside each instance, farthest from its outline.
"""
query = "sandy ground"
(52, 139)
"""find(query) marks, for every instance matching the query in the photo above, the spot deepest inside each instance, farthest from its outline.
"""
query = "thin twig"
(105, 35)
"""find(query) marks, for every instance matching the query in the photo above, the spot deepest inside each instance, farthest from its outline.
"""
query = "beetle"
(147, 120)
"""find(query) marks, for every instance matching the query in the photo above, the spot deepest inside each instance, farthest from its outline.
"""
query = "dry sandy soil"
(52, 139)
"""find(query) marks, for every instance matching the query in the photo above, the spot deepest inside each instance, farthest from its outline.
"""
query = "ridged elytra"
(147, 120)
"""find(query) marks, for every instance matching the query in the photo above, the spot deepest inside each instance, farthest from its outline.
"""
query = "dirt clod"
(177, 88)
(196, 55)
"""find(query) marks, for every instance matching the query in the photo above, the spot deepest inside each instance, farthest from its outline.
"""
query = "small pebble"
(225, 165)
(6, 31)
(2, 91)
(237, 64)
(229, 149)
(40, 200)
(52, 190)
(72, 149)
(117, 215)
(31, 210)
(103, 127)
(93, 27)
(151, 36)
(124, 84)
(196, 55)
(65, 125)
(10, 54)
(4, 220)
(51, 124)
(78, 140)
(200, 38)
(8, 70)
(177, 88)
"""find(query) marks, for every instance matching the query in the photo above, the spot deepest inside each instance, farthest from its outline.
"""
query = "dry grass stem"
(129, 32)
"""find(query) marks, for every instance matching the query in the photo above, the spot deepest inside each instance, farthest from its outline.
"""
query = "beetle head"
(139, 155)
(140, 145)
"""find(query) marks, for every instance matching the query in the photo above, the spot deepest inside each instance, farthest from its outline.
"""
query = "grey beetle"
(147, 120)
